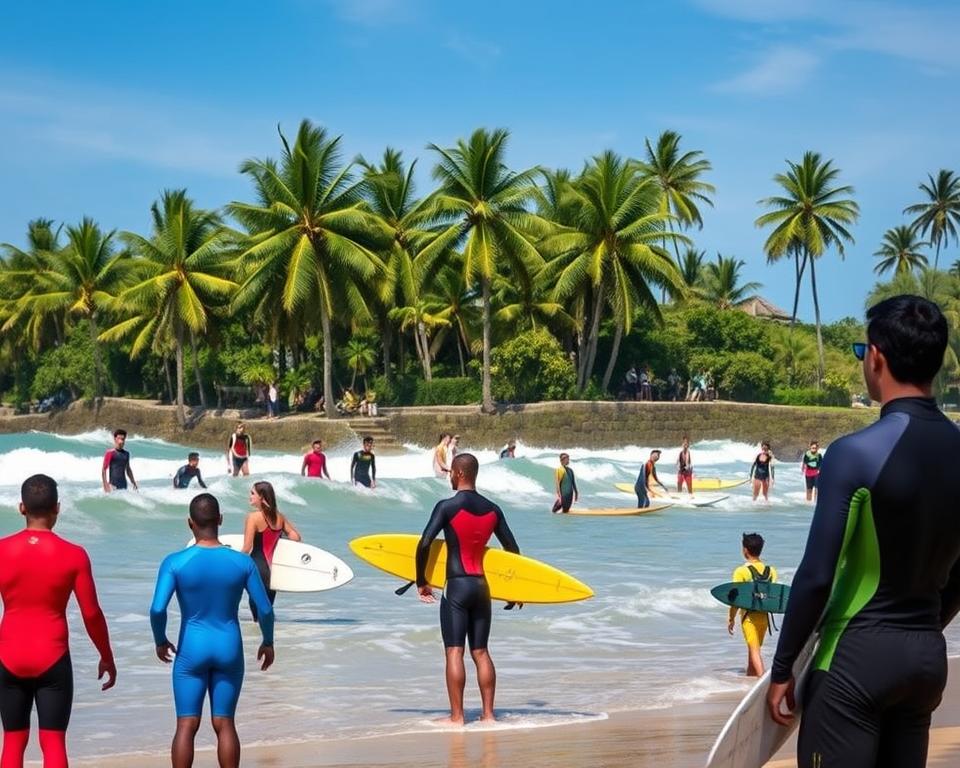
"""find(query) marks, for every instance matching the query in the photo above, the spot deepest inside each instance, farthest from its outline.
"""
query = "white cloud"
(779, 70)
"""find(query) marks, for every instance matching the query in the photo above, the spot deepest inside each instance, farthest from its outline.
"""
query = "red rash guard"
(38, 571)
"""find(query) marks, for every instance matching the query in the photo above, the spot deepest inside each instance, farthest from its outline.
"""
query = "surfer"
(467, 521)
(239, 448)
(188, 471)
(440, 467)
(810, 466)
(315, 463)
(262, 529)
(38, 572)
(566, 481)
(647, 475)
(116, 465)
(209, 580)
(880, 585)
(753, 623)
(363, 465)
(509, 450)
(761, 472)
(685, 467)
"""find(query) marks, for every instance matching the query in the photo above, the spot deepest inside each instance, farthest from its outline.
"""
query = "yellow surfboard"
(699, 484)
(617, 511)
(513, 578)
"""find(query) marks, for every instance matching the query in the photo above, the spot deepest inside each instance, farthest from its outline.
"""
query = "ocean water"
(360, 661)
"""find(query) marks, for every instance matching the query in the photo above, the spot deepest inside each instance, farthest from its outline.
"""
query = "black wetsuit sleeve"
(178, 478)
(353, 467)
(575, 490)
(505, 535)
(434, 526)
(373, 468)
(814, 578)
(950, 597)
(200, 480)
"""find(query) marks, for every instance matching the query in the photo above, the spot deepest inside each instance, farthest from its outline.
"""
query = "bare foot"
(491, 718)
(448, 722)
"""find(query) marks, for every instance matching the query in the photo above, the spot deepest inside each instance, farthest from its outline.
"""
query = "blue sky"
(104, 104)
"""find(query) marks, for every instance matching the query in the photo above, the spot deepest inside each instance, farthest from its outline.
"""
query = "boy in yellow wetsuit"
(754, 623)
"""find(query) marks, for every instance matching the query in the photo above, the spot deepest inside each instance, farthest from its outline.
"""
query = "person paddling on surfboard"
(647, 476)
(881, 579)
(208, 580)
(753, 623)
(567, 492)
(467, 521)
(263, 528)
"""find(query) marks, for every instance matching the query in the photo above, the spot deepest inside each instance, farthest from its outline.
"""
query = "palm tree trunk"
(798, 269)
(196, 370)
(816, 314)
(386, 339)
(936, 255)
(608, 374)
(487, 406)
(456, 337)
(181, 417)
(166, 371)
(421, 332)
(593, 338)
(328, 394)
(97, 362)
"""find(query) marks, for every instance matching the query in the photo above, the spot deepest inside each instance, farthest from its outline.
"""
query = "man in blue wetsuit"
(467, 521)
(209, 580)
(879, 578)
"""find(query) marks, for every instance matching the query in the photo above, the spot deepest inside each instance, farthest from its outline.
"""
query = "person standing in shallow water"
(263, 528)
(239, 448)
(467, 521)
(810, 467)
(566, 483)
(880, 575)
(363, 465)
(116, 465)
(761, 472)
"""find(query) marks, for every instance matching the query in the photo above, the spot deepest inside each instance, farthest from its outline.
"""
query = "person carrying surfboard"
(753, 623)
(648, 475)
(208, 580)
(467, 520)
(566, 482)
(262, 529)
(880, 576)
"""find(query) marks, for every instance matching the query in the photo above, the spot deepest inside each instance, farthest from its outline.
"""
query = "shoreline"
(674, 737)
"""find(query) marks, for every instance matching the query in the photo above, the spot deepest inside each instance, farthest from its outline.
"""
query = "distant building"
(757, 306)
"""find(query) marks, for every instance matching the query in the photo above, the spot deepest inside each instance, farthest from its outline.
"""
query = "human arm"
(576, 492)
(325, 471)
(200, 480)
(292, 533)
(353, 467)
(557, 477)
(258, 595)
(373, 471)
(504, 534)
(753, 468)
(94, 621)
(438, 519)
(303, 467)
(249, 531)
(130, 475)
(230, 453)
(166, 585)
(103, 472)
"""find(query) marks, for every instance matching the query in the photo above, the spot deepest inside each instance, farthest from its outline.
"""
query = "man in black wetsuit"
(467, 521)
(116, 465)
(880, 579)
(363, 465)
(188, 471)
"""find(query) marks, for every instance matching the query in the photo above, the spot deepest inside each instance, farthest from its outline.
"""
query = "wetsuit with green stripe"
(881, 578)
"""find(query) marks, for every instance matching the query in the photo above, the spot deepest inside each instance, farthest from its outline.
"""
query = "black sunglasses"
(860, 349)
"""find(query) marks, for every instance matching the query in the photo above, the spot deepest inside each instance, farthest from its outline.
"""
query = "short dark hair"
(192, 455)
(467, 464)
(318, 441)
(39, 495)
(753, 543)
(368, 438)
(119, 432)
(205, 511)
(655, 450)
(911, 332)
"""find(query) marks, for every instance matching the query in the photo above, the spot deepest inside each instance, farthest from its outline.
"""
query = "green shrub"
(797, 396)
(400, 391)
(69, 366)
(458, 391)
(530, 367)
(748, 377)
(836, 390)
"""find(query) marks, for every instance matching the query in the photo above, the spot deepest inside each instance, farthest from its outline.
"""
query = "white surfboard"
(692, 499)
(751, 737)
(299, 567)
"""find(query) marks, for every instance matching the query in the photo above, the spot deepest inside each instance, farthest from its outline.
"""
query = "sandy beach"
(679, 737)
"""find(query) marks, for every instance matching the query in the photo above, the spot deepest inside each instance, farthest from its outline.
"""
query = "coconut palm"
(721, 283)
(900, 251)
(482, 207)
(312, 239)
(422, 319)
(458, 302)
(810, 216)
(939, 216)
(184, 280)
(359, 354)
(613, 253)
(524, 305)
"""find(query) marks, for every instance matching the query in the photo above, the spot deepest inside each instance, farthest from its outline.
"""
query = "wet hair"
(911, 332)
(467, 465)
(119, 433)
(443, 435)
(367, 439)
(318, 441)
(764, 445)
(39, 495)
(753, 543)
(193, 455)
(240, 424)
(205, 511)
(655, 451)
(268, 500)
(815, 443)
(564, 455)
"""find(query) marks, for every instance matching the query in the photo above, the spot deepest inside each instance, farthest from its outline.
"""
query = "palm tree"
(458, 302)
(359, 354)
(955, 268)
(613, 252)
(184, 279)
(721, 283)
(481, 204)
(523, 306)
(808, 218)
(692, 269)
(900, 251)
(940, 215)
(421, 318)
(312, 239)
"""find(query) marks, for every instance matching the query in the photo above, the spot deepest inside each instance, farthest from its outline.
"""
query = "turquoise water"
(358, 660)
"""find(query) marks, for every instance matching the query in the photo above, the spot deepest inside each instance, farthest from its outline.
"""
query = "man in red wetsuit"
(38, 572)
(315, 463)
(467, 521)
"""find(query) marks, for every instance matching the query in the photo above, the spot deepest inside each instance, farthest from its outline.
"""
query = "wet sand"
(679, 737)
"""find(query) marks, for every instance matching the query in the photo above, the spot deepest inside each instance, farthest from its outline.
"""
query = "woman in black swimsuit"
(762, 472)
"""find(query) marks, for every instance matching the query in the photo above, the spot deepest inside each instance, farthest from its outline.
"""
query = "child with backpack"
(754, 623)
